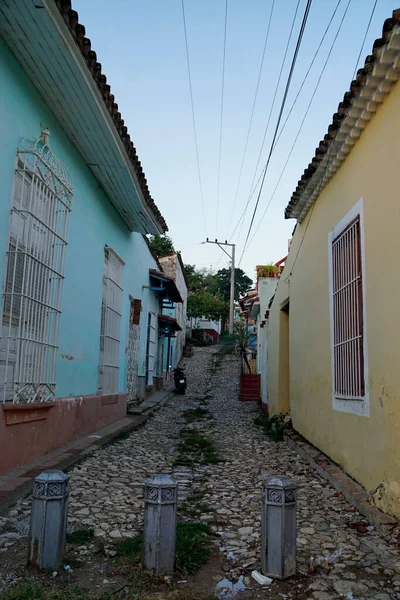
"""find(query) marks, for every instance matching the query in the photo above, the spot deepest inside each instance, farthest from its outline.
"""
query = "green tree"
(201, 279)
(161, 245)
(242, 283)
(201, 304)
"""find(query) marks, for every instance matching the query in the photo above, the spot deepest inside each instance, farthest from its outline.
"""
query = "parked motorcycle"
(180, 380)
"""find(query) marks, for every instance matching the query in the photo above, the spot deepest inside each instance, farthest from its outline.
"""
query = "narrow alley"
(219, 485)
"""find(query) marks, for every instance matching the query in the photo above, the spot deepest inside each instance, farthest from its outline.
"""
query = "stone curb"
(17, 484)
(354, 493)
(155, 402)
(20, 485)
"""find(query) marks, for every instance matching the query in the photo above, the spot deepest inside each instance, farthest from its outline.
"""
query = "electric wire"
(327, 162)
(303, 120)
(252, 113)
(365, 37)
(269, 117)
(193, 117)
(296, 52)
(276, 92)
(290, 112)
(308, 71)
(221, 116)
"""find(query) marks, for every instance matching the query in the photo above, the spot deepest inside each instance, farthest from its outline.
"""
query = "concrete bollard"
(49, 513)
(278, 523)
(161, 492)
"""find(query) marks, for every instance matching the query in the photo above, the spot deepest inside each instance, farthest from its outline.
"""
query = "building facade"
(266, 286)
(74, 206)
(333, 348)
(172, 266)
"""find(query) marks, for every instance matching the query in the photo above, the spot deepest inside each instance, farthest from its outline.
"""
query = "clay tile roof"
(360, 102)
(71, 17)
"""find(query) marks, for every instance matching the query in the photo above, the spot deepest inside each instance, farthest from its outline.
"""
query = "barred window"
(110, 328)
(34, 275)
(348, 320)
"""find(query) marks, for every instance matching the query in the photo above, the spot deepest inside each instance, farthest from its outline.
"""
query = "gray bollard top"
(51, 485)
(281, 482)
(279, 489)
(161, 489)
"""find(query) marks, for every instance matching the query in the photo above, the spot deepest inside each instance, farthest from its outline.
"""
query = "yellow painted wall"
(368, 448)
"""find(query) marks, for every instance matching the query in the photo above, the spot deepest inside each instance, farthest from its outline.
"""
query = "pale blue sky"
(142, 50)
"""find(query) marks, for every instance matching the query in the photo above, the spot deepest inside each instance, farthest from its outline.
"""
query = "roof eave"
(371, 87)
(65, 71)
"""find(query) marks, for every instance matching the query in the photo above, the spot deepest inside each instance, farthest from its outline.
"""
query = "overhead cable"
(290, 111)
(303, 120)
(221, 116)
(252, 113)
(331, 148)
(269, 117)
(193, 118)
(289, 79)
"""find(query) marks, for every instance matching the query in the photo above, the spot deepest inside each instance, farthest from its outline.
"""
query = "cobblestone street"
(107, 496)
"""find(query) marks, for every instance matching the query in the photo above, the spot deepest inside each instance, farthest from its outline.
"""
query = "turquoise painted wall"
(94, 223)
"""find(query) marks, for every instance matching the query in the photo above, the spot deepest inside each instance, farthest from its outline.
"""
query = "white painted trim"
(356, 407)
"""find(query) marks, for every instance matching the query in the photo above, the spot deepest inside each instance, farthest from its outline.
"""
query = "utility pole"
(232, 259)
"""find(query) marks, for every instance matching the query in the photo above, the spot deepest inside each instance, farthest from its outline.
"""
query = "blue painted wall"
(94, 223)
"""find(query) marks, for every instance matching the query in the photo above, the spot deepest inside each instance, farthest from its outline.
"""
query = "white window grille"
(151, 348)
(348, 319)
(110, 329)
(34, 274)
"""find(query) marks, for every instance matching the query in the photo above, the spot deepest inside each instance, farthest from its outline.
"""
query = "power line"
(304, 117)
(308, 71)
(268, 122)
(290, 112)
(296, 52)
(252, 113)
(221, 114)
(327, 162)
(276, 92)
(193, 117)
(365, 37)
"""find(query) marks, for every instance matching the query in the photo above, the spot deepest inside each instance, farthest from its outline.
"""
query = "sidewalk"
(17, 483)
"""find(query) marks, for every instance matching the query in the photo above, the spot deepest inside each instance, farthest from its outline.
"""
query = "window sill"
(16, 414)
(354, 406)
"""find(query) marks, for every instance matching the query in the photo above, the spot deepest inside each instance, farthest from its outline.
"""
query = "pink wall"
(29, 430)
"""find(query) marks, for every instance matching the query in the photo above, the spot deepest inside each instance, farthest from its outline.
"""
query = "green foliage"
(267, 270)
(272, 425)
(161, 245)
(30, 590)
(80, 537)
(195, 448)
(194, 505)
(193, 546)
(204, 298)
(202, 304)
(196, 414)
(242, 283)
(130, 547)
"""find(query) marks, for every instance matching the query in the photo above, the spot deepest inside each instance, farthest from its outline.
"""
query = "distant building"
(172, 266)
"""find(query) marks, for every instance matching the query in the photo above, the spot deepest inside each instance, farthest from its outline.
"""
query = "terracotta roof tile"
(78, 31)
(356, 88)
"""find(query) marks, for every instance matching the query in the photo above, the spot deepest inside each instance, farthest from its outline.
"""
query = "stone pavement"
(335, 560)
(17, 483)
